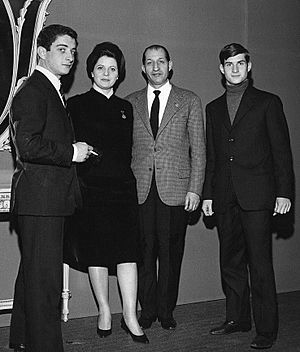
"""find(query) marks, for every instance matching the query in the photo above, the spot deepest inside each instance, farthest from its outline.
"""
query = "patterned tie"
(154, 113)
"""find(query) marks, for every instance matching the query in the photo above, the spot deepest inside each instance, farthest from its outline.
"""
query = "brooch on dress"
(123, 114)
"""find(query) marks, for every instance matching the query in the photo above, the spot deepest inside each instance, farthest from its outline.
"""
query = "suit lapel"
(245, 105)
(175, 100)
(142, 109)
(223, 108)
(47, 86)
(44, 82)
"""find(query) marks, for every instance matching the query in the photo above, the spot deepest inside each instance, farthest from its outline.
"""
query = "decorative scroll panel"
(20, 23)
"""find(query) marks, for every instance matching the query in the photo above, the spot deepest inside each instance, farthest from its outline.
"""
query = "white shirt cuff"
(75, 154)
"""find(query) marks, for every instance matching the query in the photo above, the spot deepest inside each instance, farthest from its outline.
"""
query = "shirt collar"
(52, 78)
(164, 89)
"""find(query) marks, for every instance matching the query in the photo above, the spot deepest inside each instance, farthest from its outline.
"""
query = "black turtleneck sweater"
(234, 95)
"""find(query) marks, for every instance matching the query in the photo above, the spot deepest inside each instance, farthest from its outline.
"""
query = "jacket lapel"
(47, 86)
(223, 108)
(142, 109)
(245, 105)
(174, 102)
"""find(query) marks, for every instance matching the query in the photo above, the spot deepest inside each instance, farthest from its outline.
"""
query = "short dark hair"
(155, 47)
(106, 49)
(49, 34)
(233, 49)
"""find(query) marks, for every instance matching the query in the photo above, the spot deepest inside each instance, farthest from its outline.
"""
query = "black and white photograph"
(149, 166)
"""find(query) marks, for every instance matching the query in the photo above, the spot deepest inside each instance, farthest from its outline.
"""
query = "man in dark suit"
(44, 191)
(168, 161)
(248, 179)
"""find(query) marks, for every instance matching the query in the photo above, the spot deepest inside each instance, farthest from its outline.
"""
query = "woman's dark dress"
(105, 231)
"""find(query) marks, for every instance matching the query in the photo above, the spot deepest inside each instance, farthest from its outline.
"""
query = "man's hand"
(207, 207)
(192, 201)
(83, 151)
(282, 206)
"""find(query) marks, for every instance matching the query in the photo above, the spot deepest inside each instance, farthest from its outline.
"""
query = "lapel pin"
(123, 114)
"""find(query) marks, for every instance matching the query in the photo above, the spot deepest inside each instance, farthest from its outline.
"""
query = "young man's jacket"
(253, 153)
(44, 182)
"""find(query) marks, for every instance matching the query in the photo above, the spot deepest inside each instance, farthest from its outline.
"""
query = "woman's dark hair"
(233, 49)
(49, 34)
(106, 49)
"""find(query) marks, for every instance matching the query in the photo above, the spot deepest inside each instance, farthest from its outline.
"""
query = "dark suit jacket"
(254, 151)
(44, 181)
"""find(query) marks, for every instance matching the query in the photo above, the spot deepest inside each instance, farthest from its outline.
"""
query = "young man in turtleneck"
(249, 178)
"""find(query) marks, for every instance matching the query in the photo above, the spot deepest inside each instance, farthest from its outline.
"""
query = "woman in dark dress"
(108, 221)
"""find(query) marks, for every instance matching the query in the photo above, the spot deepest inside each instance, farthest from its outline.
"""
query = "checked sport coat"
(177, 154)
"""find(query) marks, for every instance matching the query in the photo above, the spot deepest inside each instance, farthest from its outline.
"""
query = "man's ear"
(249, 66)
(41, 51)
(221, 68)
(143, 69)
(170, 65)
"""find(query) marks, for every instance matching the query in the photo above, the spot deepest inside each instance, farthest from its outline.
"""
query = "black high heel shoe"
(136, 338)
(103, 333)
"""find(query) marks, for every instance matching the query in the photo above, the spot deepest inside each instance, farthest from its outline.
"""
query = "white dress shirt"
(53, 79)
(163, 98)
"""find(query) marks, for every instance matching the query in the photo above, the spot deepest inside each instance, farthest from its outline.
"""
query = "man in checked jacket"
(168, 161)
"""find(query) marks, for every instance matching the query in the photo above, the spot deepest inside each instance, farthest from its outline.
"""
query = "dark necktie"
(154, 113)
(61, 91)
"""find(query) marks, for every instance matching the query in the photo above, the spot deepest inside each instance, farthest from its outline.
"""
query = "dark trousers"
(163, 230)
(35, 319)
(246, 248)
